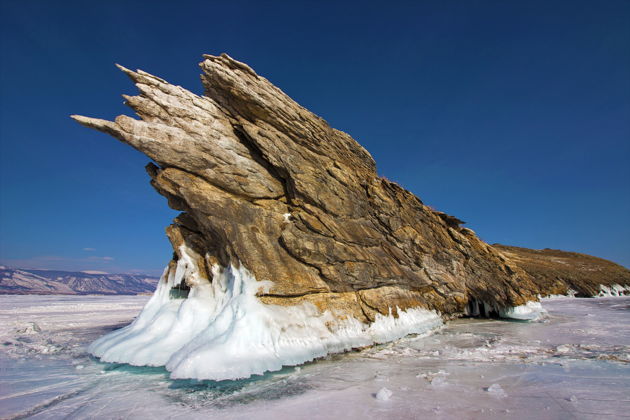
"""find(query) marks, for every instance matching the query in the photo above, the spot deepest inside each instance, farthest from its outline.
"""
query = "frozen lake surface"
(574, 364)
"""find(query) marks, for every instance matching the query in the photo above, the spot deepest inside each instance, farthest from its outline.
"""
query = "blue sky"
(513, 116)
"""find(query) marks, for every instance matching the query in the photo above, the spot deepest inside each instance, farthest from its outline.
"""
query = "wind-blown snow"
(222, 331)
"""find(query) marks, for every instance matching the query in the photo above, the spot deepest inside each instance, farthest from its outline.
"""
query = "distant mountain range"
(20, 281)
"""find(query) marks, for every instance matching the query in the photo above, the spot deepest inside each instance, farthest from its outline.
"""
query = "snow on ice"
(383, 394)
(574, 363)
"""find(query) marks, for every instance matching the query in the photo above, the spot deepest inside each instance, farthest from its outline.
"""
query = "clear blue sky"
(513, 116)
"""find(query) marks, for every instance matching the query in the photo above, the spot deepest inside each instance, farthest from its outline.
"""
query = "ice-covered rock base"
(222, 331)
(531, 311)
(614, 290)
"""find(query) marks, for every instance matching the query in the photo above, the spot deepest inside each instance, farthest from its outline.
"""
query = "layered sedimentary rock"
(265, 183)
(271, 195)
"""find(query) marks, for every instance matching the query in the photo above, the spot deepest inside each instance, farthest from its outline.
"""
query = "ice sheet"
(573, 364)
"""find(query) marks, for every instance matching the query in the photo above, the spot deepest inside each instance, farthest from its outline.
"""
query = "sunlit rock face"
(267, 188)
(265, 183)
(558, 272)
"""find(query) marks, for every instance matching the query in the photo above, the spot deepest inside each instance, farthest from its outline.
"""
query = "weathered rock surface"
(264, 183)
(557, 272)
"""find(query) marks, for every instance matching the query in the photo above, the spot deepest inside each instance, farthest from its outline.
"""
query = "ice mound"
(29, 328)
(496, 390)
(222, 331)
(383, 394)
(531, 311)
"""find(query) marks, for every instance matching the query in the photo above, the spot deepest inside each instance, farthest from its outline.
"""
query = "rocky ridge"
(558, 272)
(19, 281)
(265, 184)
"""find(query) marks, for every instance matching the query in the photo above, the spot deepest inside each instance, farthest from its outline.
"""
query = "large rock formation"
(269, 188)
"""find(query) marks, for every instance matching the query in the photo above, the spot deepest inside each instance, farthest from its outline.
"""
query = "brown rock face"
(558, 272)
(265, 183)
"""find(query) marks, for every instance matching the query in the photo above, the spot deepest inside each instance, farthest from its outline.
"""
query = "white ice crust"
(531, 311)
(614, 290)
(222, 331)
